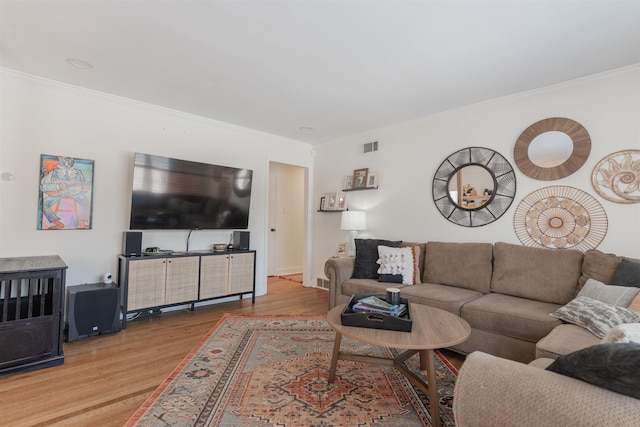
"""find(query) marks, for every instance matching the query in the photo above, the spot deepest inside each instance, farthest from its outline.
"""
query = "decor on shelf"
(342, 249)
(560, 217)
(353, 221)
(372, 180)
(65, 199)
(464, 172)
(285, 364)
(552, 148)
(348, 182)
(330, 200)
(617, 177)
(341, 201)
(360, 178)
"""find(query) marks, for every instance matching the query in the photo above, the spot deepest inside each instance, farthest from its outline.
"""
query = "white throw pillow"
(628, 332)
(400, 261)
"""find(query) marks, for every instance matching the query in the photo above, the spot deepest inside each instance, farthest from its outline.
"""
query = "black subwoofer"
(94, 309)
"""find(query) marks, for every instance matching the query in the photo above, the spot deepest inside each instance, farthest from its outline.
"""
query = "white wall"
(607, 105)
(44, 117)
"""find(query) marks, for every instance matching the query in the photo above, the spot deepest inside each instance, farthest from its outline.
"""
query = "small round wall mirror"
(474, 186)
(552, 149)
(471, 186)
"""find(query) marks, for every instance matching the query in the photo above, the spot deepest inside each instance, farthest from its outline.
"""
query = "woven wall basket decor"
(617, 177)
(560, 217)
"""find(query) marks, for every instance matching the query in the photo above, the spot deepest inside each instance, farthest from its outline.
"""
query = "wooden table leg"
(423, 360)
(334, 358)
(433, 388)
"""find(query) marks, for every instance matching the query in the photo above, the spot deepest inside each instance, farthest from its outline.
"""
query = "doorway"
(286, 221)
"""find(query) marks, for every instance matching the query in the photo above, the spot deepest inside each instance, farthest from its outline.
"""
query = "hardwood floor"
(104, 379)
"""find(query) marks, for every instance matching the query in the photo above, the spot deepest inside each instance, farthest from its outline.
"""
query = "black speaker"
(132, 243)
(241, 240)
(94, 309)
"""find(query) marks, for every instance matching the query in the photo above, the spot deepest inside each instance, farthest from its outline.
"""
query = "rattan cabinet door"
(241, 273)
(214, 276)
(182, 280)
(146, 283)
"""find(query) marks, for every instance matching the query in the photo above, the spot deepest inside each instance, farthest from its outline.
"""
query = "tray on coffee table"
(374, 320)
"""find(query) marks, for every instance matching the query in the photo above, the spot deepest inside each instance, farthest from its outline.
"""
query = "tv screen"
(172, 194)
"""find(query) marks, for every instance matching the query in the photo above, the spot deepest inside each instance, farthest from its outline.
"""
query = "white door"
(272, 221)
(286, 220)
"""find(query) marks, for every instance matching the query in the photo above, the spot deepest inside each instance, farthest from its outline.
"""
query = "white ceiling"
(338, 67)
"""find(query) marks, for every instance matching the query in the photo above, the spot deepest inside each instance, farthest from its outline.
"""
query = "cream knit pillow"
(400, 261)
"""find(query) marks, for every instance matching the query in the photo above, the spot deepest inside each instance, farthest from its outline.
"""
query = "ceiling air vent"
(369, 147)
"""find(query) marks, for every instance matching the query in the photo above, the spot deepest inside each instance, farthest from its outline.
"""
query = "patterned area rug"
(273, 370)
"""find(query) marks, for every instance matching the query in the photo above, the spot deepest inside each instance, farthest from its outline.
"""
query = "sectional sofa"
(505, 292)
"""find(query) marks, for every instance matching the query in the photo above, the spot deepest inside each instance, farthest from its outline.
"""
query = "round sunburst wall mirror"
(474, 186)
(552, 149)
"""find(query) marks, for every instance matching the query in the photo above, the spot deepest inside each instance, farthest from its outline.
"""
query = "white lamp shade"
(353, 220)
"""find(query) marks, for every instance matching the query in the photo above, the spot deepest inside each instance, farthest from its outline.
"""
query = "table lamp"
(353, 221)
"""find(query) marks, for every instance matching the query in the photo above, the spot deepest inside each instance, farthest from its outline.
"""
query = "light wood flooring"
(104, 379)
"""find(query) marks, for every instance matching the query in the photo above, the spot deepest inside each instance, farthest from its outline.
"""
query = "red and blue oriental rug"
(273, 370)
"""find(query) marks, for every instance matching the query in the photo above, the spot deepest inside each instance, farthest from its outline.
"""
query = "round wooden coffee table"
(432, 329)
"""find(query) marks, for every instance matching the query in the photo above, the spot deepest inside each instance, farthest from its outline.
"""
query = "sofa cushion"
(599, 266)
(635, 304)
(547, 275)
(627, 274)
(399, 261)
(511, 316)
(366, 262)
(611, 294)
(449, 298)
(541, 362)
(367, 286)
(565, 339)
(596, 316)
(610, 366)
(464, 265)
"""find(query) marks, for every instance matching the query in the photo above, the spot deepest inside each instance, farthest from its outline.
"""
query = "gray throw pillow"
(596, 316)
(610, 366)
(366, 262)
(627, 274)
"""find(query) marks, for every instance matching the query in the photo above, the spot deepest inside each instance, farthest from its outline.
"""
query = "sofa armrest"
(491, 391)
(338, 270)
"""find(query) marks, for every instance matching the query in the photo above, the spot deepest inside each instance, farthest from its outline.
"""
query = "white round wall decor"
(617, 177)
(560, 217)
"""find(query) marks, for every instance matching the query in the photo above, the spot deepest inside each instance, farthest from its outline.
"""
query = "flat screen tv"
(172, 194)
